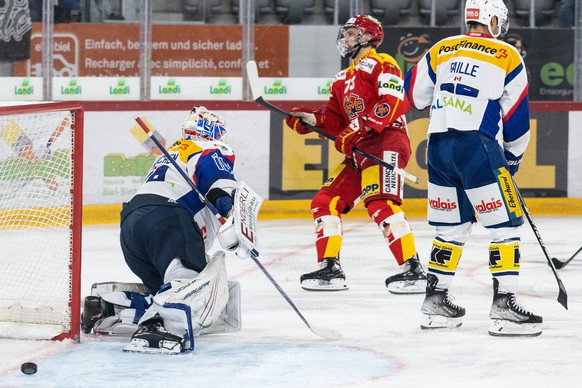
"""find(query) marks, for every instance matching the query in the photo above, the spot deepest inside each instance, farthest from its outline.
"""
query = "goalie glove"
(227, 235)
(349, 136)
(229, 240)
(298, 116)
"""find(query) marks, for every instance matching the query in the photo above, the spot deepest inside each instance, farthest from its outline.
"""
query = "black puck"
(28, 368)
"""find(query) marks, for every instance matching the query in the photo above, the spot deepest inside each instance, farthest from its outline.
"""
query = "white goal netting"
(38, 245)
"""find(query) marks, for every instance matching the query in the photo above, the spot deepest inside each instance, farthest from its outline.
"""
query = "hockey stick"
(562, 295)
(561, 264)
(324, 333)
(253, 76)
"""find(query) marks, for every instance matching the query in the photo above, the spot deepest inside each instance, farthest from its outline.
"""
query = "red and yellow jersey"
(372, 89)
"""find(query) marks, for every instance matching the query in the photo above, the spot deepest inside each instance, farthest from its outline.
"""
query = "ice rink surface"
(383, 345)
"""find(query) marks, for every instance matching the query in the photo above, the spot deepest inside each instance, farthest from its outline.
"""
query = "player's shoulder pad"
(340, 76)
(386, 61)
(209, 146)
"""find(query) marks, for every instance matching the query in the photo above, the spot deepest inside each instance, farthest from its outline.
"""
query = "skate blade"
(504, 328)
(431, 322)
(407, 287)
(140, 347)
(324, 285)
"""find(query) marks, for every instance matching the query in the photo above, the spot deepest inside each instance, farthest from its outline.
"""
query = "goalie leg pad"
(189, 306)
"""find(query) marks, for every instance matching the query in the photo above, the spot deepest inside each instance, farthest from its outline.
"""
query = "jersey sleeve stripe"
(514, 73)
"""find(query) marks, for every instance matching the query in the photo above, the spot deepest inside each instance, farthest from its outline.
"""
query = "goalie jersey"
(210, 165)
(474, 82)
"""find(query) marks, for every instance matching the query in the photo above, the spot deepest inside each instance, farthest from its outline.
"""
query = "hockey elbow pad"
(513, 162)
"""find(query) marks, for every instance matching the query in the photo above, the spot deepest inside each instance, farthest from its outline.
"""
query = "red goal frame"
(77, 126)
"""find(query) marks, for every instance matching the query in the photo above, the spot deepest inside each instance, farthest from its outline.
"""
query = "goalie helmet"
(482, 11)
(364, 25)
(203, 124)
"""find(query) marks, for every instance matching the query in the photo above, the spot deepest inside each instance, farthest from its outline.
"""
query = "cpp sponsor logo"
(488, 207)
(370, 189)
(440, 204)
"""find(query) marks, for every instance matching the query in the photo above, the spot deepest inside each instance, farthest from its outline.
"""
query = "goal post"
(41, 198)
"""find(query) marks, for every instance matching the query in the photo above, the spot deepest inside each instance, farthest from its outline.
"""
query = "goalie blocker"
(240, 232)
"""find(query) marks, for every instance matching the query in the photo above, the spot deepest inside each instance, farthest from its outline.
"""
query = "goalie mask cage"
(41, 150)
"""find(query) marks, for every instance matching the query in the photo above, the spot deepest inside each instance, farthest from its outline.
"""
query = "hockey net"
(41, 149)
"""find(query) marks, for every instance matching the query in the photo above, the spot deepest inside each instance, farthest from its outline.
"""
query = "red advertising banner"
(86, 49)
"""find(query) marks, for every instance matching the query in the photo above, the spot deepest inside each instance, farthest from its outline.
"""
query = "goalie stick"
(253, 77)
(561, 264)
(562, 295)
(324, 333)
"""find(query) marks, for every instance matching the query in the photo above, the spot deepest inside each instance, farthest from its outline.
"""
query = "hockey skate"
(330, 277)
(412, 279)
(509, 318)
(438, 309)
(151, 337)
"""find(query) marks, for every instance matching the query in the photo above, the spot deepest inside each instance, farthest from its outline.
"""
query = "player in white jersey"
(477, 90)
(166, 231)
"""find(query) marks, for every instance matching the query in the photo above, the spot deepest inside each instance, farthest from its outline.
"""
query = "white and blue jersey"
(477, 91)
(210, 164)
(474, 82)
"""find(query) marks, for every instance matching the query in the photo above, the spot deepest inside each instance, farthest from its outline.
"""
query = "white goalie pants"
(188, 306)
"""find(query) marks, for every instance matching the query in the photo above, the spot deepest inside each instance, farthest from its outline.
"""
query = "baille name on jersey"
(464, 68)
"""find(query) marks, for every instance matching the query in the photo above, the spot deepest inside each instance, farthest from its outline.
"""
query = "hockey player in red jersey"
(366, 109)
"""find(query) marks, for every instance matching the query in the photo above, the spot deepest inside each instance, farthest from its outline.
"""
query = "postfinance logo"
(171, 87)
(276, 88)
(120, 89)
(25, 89)
(221, 88)
(72, 88)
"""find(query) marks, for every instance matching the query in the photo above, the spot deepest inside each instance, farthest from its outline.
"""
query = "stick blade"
(562, 296)
(557, 263)
(253, 78)
(326, 333)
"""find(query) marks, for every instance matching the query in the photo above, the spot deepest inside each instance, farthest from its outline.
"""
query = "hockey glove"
(227, 235)
(229, 240)
(298, 116)
(513, 162)
(352, 134)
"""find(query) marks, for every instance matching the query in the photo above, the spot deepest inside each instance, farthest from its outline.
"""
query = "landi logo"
(221, 88)
(276, 88)
(120, 89)
(72, 89)
(325, 90)
(171, 87)
(24, 89)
